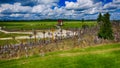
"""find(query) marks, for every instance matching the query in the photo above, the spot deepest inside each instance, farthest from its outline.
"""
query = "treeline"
(44, 20)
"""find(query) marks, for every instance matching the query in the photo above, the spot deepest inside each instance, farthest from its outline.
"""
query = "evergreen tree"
(99, 19)
(82, 20)
(106, 27)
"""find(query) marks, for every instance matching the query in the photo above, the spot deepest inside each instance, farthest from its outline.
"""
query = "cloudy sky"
(57, 9)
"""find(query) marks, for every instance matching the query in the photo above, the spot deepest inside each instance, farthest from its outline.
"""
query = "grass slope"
(105, 56)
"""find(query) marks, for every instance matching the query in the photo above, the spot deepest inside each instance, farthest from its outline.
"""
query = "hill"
(99, 56)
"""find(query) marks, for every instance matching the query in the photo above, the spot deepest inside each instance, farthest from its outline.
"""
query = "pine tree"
(99, 19)
(106, 28)
(82, 20)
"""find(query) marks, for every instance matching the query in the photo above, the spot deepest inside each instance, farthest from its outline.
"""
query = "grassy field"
(40, 25)
(101, 56)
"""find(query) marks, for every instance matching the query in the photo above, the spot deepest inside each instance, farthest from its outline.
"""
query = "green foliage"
(106, 27)
(99, 19)
(83, 20)
(84, 26)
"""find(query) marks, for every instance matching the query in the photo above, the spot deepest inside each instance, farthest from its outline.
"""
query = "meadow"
(99, 56)
(42, 25)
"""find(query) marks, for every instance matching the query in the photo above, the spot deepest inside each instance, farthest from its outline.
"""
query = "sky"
(57, 9)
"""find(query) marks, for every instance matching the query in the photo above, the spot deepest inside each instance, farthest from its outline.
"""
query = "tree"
(99, 19)
(106, 27)
(82, 20)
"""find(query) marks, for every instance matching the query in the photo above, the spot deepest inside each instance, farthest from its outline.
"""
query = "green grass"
(106, 59)
(20, 26)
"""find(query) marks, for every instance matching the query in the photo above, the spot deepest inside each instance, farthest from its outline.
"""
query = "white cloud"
(71, 5)
(116, 1)
(48, 1)
(16, 15)
(45, 1)
(95, 9)
(79, 5)
(14, 8)
(39, 8)
(110, 6)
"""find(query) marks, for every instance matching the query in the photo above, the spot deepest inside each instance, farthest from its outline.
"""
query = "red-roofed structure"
(60, 22)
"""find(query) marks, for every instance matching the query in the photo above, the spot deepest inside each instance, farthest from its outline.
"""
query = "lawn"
(40, 25)
(101, 56)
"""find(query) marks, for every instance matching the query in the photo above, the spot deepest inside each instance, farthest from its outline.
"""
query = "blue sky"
(57, 9)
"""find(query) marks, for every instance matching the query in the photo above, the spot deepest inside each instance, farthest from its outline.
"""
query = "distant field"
(40, 25)
(103, 56)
